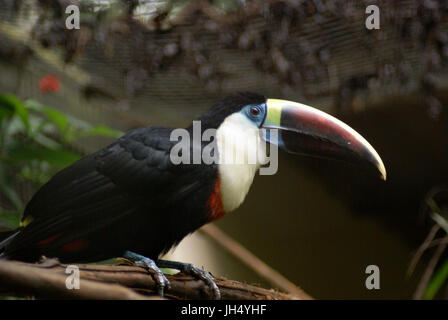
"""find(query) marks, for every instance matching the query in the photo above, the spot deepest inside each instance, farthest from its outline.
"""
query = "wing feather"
(132, 177)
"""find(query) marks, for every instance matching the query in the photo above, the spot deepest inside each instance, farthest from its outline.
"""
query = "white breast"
(241, 152)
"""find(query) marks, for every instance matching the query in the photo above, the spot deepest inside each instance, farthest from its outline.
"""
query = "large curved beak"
(309, 131)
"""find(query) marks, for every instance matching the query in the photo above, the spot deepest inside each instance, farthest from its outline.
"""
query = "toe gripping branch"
(194, 271)
(160, 278)
(151, 266)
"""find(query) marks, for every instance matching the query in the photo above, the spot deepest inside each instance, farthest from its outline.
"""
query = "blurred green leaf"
(34, 144)
(9, 102)
(15, 126)
(46, 141)
(53, 116)
(8, 190)
(5, 110)
(92, 131)
(439, 278)
(37, 172)
(104, 131)
(61, 158)
(58, 118)
(34, 105)
(10, 218)
(71, 128)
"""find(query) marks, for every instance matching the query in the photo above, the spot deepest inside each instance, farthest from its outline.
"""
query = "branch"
(22, 279)
(48, 280)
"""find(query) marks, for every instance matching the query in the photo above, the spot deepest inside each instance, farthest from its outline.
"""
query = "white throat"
(241, 152)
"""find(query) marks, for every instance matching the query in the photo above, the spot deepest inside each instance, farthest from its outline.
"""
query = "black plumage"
(127, 196)
(230, 104)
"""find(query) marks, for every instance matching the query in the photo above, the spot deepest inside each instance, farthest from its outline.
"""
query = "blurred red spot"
(76, 245)
(48, 240)
(49, 83)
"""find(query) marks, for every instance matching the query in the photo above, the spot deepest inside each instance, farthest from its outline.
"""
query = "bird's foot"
(158, 275)
(194, 271)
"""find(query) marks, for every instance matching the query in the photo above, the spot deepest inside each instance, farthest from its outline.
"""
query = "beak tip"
(382, 171)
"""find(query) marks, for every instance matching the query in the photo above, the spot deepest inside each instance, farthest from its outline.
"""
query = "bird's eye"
(254, 111)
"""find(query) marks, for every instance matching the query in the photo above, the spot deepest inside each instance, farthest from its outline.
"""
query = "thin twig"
(438, 241)
(440, 221)
(423, 247)
(429, 271)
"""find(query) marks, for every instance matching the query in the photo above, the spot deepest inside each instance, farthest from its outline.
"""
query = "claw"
(157, 274)
(194, 271)
(204, 276)
(162, 281)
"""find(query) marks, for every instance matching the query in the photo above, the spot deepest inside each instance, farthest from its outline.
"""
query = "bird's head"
(301, 128)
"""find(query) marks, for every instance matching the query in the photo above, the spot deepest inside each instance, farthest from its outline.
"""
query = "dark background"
(320, 223)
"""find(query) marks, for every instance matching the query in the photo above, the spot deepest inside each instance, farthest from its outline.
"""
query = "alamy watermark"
(373, 280)
(73, 19)
(72, 280)
(241, 147)
(373, 18)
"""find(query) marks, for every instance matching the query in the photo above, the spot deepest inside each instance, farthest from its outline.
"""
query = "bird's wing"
(135, 173)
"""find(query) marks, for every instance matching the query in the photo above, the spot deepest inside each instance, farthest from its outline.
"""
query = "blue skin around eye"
(258, 119)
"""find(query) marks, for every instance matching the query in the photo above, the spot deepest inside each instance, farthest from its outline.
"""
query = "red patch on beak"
(49, 83)
(214, 203)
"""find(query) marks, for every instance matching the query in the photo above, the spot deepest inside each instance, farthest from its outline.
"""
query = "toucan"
(132, 200)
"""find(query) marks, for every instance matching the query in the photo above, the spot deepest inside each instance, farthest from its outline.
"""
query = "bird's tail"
(5, 238)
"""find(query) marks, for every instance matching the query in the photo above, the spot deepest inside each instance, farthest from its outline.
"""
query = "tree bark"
(48, 280)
